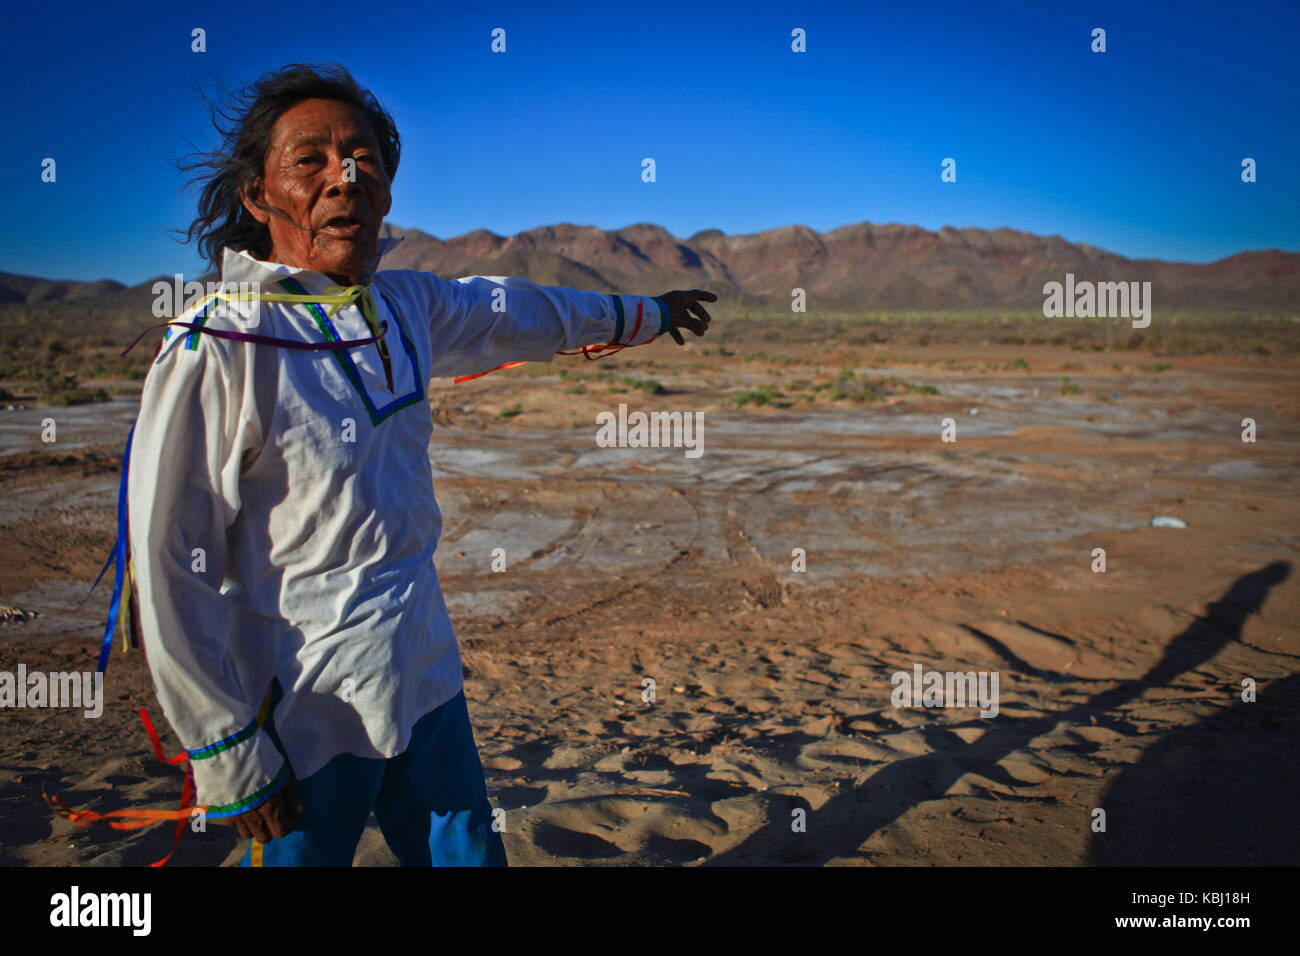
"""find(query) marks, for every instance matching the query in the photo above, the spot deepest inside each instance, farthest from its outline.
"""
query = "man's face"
(319, 220)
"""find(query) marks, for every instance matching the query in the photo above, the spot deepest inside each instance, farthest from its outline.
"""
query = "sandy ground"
(1119, 691)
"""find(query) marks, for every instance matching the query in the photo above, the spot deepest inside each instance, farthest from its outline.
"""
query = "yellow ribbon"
(335, 296)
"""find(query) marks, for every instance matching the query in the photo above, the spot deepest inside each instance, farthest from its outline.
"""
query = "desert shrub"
(647, 385)
(77, 396)
(765, 395)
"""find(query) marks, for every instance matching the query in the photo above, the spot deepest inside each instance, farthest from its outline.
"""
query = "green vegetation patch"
(77, 396)
(766, 395)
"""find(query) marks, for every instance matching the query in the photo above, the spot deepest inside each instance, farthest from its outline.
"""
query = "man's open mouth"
(342, 227)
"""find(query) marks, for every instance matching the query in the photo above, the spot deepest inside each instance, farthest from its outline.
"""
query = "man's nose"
(343, 181)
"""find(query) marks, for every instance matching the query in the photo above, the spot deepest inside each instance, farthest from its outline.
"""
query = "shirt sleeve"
(190, 440)
(480, 322)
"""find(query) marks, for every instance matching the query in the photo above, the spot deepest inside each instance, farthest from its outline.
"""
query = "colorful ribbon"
(137, 819)
(587, 351)
(118, 609)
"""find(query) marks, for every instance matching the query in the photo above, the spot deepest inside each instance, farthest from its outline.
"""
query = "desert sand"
(1119, 690)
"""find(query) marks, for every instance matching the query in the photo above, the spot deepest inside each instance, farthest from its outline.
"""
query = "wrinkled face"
(318, 219)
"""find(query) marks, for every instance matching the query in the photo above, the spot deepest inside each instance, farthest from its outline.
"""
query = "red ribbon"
(136, 819)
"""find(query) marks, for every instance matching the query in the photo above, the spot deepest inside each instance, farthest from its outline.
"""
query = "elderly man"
(282, 519)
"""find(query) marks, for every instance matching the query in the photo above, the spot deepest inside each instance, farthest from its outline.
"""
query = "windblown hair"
(245, 127)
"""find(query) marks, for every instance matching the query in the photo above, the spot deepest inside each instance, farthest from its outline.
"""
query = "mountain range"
(858, 267)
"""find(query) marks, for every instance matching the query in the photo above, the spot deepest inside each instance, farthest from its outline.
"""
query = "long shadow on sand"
(1237, 806)
(1177, 806)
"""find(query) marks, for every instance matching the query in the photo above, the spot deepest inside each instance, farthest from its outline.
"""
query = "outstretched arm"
(479, 322)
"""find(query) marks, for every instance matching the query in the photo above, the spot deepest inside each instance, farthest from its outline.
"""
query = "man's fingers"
(279, 825)
(282, 812)
(262, 824)
(257, 828)
(687, 313)
(274, 816)
(695, 325)
(700, 311)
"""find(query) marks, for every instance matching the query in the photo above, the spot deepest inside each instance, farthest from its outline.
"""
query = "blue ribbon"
(119, 557)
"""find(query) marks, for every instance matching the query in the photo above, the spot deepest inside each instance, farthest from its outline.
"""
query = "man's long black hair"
(245, 126)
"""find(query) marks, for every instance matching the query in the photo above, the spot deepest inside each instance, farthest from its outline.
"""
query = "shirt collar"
(242, 267)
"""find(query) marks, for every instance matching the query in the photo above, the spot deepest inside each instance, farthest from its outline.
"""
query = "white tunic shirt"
(282, 519)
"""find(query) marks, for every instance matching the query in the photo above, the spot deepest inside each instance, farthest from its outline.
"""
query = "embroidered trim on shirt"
(199, 320)
(351, 372)
(234, 740)
(239, 806)
(663, 311)
(618, 327)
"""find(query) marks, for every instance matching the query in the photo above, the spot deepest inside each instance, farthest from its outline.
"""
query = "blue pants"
(430, 801)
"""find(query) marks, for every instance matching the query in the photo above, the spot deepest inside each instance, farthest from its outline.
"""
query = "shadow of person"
(1180, 805)
(849, 819)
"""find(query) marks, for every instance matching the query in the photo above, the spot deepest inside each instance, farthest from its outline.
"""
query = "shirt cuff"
(238, 773)
(638, 319)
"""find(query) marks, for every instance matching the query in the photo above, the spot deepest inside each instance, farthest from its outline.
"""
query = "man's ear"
(251, 196)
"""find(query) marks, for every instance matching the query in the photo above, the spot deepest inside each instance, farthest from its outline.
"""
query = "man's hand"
(680, 306)
(273, 819)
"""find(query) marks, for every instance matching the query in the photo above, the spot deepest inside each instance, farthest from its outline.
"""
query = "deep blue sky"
(1137, 150)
